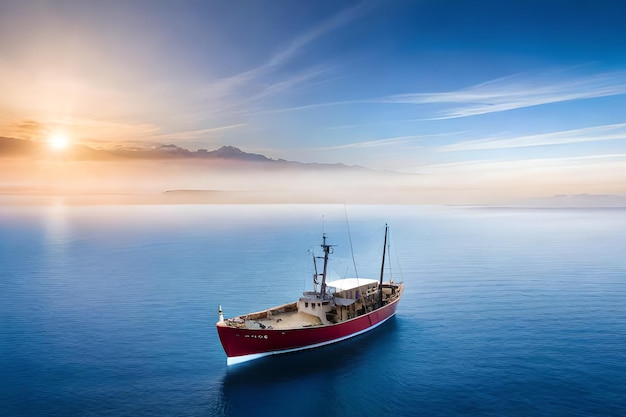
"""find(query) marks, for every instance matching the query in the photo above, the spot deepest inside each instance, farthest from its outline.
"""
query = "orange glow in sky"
(119, 96)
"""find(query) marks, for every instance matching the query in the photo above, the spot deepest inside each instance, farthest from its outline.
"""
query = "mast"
(327, 249)
(382, 270)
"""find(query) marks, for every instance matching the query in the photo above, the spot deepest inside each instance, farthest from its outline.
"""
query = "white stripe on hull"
(245, 358)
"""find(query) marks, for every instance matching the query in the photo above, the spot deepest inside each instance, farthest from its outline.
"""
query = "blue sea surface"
(111, 311)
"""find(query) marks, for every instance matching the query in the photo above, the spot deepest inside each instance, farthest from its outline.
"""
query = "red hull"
(242, 345)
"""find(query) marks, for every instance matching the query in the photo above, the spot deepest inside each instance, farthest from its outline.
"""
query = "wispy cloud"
(590, 134)
(517, 92)
(342, 127)
(195, 134)
(532, 176)
(313, 106)
(80, 129)
(520, 164)
(262, 90)
(382, 142)
(372, 143)
(342, 18)
(262, 81)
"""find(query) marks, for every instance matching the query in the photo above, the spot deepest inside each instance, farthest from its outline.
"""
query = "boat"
(339, 310)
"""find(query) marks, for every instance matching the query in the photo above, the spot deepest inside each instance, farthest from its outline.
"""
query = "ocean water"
(110, 311)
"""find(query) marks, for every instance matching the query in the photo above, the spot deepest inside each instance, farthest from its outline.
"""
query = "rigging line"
(389, 256)
(350, 238)
(397, 259)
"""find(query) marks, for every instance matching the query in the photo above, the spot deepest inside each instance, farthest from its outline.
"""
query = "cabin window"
(306, 305)
(313, 305)
(325, 303)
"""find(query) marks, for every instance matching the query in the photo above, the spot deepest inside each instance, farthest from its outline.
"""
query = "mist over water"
(110, 310)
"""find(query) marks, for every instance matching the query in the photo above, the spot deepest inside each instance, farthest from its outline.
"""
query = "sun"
(58, 141)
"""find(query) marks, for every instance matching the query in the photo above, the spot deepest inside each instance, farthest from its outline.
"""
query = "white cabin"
(343, 298)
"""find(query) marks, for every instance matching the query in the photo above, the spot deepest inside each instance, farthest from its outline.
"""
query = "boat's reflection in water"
(290, 381)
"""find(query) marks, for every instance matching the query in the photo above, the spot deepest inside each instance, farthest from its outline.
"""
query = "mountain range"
(228, 174)
(20, 148)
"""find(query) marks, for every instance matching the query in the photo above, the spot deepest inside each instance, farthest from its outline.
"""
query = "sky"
(506, 98)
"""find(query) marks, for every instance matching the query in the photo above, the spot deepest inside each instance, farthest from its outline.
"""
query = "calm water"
(111, 311)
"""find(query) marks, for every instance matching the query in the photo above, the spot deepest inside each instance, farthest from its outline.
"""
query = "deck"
(282, 321)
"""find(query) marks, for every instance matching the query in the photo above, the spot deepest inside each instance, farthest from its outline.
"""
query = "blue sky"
(454, 89)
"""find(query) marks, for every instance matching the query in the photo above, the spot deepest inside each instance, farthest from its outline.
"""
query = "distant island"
(576, 201)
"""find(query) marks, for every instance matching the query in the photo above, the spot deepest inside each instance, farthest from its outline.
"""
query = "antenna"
(315, 282)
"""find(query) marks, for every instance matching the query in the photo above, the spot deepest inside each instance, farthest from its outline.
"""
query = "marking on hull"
(234, 360)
